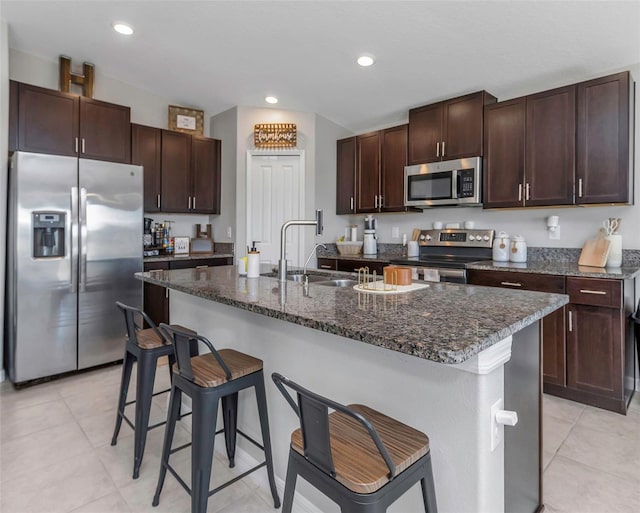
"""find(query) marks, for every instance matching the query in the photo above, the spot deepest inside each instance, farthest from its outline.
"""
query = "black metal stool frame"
(147, 362)
(317, 468)
(204, 408)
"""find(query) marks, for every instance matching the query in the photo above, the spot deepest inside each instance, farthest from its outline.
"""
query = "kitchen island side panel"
(451, 406)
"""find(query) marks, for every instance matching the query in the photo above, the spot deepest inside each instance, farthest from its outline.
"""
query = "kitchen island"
(438, 359)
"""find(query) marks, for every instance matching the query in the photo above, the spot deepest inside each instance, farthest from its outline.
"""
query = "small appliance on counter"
(147, 236)
(370, 245)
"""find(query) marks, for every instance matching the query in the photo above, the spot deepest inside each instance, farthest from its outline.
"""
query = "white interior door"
(275, 185)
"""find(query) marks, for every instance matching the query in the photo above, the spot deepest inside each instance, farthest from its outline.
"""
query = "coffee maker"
(147, 236)
(370, 246)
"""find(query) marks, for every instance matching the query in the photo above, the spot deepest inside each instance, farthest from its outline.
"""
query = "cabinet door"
(504, 146)
(554, 348)
(47, 121)
(145, 152)
(205, 172)
(14, 98)
(105, 131)
(425, 134)
(327, 263)
(346, 176)
(156, 299)
(550, 147)
(368, 172)
(394, 158)
(603, 140)
(594, 355)
(175, 165)
(462, 127)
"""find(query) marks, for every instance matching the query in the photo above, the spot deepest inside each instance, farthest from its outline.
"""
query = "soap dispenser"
(253, 262)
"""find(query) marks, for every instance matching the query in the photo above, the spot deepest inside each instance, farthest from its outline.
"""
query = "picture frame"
(186, 120)
(181, 246)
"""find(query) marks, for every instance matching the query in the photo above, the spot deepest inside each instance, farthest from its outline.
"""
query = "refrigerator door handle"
(73, 256)
(83, 239)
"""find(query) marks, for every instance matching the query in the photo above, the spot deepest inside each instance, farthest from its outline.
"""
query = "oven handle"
(456, 177)
(452, 273)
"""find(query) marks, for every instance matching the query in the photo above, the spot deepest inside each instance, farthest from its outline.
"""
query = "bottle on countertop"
(253, 262)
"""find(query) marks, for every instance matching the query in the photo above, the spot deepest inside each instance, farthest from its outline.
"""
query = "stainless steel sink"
(312, 278)
(337, 283)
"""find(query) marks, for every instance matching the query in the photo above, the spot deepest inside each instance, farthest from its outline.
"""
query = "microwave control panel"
(465, 183)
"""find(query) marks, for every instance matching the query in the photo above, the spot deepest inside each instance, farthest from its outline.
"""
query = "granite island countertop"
(445, 322)
(558, 269)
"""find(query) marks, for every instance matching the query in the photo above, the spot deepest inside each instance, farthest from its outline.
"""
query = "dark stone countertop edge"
(558, 269)
(384, 341)
(171, 258)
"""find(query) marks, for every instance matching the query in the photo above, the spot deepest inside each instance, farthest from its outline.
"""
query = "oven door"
(435, 274)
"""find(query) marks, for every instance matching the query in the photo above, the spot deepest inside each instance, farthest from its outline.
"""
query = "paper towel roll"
(253, 264)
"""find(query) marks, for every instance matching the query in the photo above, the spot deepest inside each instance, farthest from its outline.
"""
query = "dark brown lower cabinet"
(156, 298)
(327, 263)
(554, 367)
(350, 265)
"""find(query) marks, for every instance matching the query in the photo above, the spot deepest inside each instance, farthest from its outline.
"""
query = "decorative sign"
(275, 135)
(188, 121)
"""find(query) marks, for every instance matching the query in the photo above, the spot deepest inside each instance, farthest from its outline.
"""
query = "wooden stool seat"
(358, 463)
(208, 373)
(149, 338)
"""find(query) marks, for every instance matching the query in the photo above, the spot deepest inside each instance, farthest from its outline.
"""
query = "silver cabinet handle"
(83, 239)
(519, 192)
(579, 187)
(154, 270)
(194, 203)
(527, 191)
(158, 200)
(375, 201)
(76, 145)
(202, 266)
(380, 201)
(189, 207)
(511, 283)
(443, 148)
(166, 292)
(83, 146)
(596, 292)
(352, 203)
(326, 267)
(74, 237)
(570, 321)
(437, 149)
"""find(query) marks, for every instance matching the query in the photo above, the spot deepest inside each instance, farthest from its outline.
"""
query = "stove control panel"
(456, 237)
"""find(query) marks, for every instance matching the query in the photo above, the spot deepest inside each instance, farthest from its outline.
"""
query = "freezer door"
(41, 295)
(110, 253)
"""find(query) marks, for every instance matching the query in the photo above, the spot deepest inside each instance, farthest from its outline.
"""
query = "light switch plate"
(554, 234)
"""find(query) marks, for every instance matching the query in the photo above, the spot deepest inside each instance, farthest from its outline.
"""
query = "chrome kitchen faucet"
(282, 264)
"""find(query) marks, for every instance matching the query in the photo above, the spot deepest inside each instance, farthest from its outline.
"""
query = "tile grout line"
(599, 470)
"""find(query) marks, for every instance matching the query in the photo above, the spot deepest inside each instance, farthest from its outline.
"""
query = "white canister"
(412, 248)
(518, 251)
(501, 245)
(354, 232)
(615, 251)
(253, 264)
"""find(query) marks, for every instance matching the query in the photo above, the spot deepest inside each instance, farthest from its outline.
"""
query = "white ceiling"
(217, 54)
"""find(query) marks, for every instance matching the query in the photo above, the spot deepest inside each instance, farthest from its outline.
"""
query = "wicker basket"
(350, 247)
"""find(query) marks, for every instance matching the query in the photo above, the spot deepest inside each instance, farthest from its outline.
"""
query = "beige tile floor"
(55, 455)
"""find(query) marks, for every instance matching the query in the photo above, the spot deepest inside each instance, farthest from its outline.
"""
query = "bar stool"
(358, 457)
(206, 379)
(144, 346)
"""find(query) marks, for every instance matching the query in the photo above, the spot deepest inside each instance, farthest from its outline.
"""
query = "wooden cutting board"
(595, 252)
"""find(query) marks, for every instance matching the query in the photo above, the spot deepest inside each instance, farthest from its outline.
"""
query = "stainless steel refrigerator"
(74, 242)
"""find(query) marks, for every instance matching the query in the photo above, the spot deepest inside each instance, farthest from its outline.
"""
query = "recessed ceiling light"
(365, 60)
(123, 28)
(271, 99)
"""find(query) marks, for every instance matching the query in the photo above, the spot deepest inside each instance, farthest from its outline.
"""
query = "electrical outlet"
(554, 234)
(395, 232)
(229, 231)
(497, 430)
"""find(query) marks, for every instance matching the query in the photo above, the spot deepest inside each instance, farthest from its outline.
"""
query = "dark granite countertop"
(169, 258)
(559, 269)
(446, 322)
(383, 258)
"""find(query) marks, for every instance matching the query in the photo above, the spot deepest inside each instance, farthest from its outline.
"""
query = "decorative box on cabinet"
(448, 130)
(48, 121)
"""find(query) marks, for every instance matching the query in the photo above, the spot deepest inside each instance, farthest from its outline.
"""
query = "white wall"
(4, 128)
(577, 224)
(224, 126)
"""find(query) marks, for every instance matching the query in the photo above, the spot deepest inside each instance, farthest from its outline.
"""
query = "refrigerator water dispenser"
(48, 234)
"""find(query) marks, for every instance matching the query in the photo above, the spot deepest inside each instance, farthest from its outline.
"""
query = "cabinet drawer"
(199, 263)
(354, 265)
(521, 281)
(327, 263)
(595, 291)
(156, 266)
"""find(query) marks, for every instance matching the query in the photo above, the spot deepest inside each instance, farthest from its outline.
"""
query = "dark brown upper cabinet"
(146, 144)
(182, 173)
(504, 149)
(448, 130)
(58, 123)
(346, 176)
(176, 172)
(394, 159)
(205, 175)
(604, 140)
(367, 172)
(550, 147)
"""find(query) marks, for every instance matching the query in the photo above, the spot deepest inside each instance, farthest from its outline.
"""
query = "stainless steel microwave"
(447, 183)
